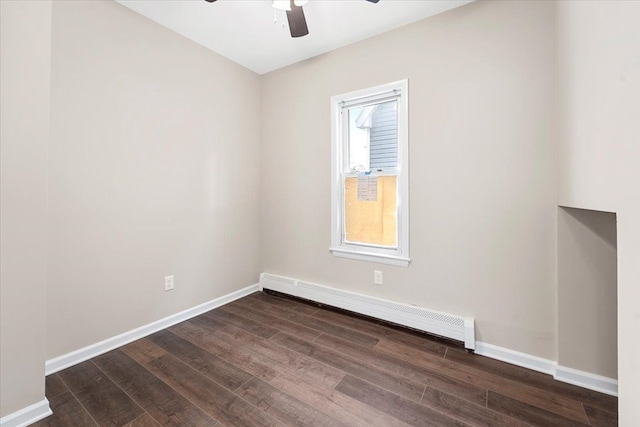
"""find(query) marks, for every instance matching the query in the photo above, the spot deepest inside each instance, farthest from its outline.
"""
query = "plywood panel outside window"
(372, 222)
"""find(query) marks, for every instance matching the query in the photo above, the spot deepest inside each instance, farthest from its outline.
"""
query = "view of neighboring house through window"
(370, 188)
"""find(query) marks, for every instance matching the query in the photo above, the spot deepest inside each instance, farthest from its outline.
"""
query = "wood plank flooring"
(267, 360)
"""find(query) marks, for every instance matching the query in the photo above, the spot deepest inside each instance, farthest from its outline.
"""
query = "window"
(370, 188)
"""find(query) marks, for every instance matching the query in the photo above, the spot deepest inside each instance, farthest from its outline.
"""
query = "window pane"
(372, 222)
(373, 137)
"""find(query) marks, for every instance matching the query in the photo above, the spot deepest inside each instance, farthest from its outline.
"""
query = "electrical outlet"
(377, 277)
(168, 283)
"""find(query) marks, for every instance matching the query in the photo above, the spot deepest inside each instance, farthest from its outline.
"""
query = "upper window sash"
(344, 109)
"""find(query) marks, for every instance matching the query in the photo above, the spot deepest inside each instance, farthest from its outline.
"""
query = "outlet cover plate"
(168, 283)
(377, 277)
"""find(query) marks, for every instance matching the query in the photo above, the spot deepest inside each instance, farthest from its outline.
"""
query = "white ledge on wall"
(371, 257)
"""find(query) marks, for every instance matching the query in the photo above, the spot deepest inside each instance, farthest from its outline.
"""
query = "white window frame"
(399, 255)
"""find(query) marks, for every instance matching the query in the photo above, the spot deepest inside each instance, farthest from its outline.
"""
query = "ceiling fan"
(295, 14)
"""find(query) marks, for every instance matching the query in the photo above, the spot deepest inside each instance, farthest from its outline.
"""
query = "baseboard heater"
(434, 322)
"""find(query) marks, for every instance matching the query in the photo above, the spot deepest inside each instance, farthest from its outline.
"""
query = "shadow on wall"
(602, 224)
(587, 291)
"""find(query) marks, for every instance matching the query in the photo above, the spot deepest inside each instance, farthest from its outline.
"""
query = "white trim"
(27, 416)
(370, 257)
(517, 358)
(413, 316)
(560, 373)
(366, 96)
(586, 380)
(86, 353)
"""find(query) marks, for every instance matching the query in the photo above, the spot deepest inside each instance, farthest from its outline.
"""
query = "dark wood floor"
(268, 360)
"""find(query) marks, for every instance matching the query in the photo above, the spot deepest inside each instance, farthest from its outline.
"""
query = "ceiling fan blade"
(297, 21)
(372, 1)
(210, 1)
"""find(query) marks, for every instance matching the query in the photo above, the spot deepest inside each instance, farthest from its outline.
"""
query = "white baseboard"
(560, 373)
(27, 416)
(586, 380)
(517, 358)
(66, 360)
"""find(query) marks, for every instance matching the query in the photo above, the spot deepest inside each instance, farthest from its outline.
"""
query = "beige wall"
(599, 88)
(154, 166)
(482, 168)
(587, 291)
(25, 49)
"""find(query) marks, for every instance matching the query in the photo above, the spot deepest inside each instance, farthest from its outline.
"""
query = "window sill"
(371, 257)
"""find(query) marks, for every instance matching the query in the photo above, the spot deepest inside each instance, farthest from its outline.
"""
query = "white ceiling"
(243, 30)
